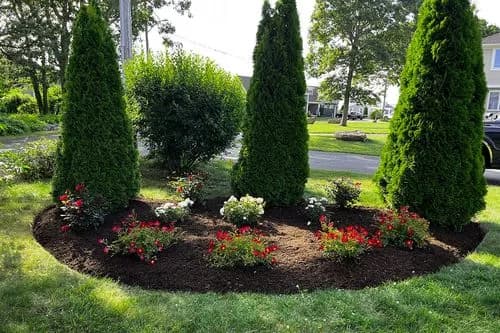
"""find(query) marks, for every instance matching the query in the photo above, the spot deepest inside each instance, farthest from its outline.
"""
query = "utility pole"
(125, 30)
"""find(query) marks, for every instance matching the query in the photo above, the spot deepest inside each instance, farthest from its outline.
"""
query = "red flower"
(157, 243)
(132, 244)
(79, 203)
(152, 262)
(323, 218)
(223, 235)
(222, 247)
(105, 250)
(390, 227)
(100, 241)
(65, 228)
(131, 250)
(80, 187)
(63, 197)
(180, 189)
(140, 250)
(409, 244)
(211, 246)
(244, 229)
(411, 232)
(274, 261)
(116, 229)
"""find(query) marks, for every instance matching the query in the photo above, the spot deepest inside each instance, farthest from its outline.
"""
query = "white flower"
(308, 223)
(323, 208)
(232, 198)
(244, 218)
(222, 211)
(260, 201)
(186, 203)
(261, 211)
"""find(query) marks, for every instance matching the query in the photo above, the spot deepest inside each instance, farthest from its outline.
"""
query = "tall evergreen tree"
(432, 160)
(273, 161)
(97, 146)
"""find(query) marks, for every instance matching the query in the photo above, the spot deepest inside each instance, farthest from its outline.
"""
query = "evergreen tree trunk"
(36, 90)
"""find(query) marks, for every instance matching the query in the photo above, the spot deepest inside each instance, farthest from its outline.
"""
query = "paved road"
(317, 160)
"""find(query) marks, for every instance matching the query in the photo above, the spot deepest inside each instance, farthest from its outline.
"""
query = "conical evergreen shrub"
(97, 146)
(432, 160)
(273, 161)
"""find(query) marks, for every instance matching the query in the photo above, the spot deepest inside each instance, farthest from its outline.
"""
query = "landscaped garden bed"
(300, 264)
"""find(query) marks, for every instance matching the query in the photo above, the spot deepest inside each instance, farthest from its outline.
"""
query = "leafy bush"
(274, 162)
(432, 160)
(246, 247)
(30, 107)
(403, 229)
(376, 115)
(344, 243)
(97, 145)
(33, 122)
(13, 99)
(142, 239)
(11, 126)
(190, 186)
(343, 192)
(314, 209)
(81, 210)
(35, 161)
(188, 109)
(55, 98)
(174, 212)
(245, 211)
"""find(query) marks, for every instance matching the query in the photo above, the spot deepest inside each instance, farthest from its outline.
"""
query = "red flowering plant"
(344, 243)
(245, 247)
(190, 186)
(142, 239)
(81, 210)
(403, 228)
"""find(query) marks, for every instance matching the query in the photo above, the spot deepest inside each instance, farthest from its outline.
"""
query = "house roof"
(493, 39)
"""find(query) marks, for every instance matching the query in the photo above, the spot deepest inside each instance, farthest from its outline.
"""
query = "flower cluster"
(344, 243)
(245, 247)
(343, 192)
(403, 228)
(174, 212)
(142, 239)
(81, 210)
(314, 209)
(190, 186)
(245, 211)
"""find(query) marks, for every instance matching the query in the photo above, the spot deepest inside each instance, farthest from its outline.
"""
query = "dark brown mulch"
(300, 267)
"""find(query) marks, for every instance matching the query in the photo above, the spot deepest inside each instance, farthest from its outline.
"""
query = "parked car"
(352, 115)
(491, 145)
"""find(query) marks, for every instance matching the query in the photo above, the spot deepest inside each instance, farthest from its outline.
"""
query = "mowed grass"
(373, 146)
(322, 126)
(39, 294)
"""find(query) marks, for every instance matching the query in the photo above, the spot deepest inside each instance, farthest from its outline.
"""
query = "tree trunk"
(45, 89)
(36, 89)
(347, 96)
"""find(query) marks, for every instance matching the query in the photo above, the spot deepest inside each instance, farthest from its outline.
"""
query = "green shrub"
(188, 109)
(10, 126)
(432, 159)
(97, 146)
(33, 122)
(55, 98)
(245, 211)
(30, 107)
(171, 212)
(13, 99)
(273, 161)
(403, 229)
(376, 115)
(343, 192)
(34, 162)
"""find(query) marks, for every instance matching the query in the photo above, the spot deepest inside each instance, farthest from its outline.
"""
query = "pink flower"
(105, 250)
(79, 203)
(63, 198)
(80, 187)
(100, 241)
(116, 229)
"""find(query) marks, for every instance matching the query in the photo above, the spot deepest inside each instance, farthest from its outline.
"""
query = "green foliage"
(34, 122)
(187, 108)
(14, 99)
(487, 29)
(343, 192)
(376, 114)
(55, 97)
(81, 210)
(97, 146)
(37, 160)
(171, 212)
(403, 229)
(342, 243)
(432, 159)
(273, 161)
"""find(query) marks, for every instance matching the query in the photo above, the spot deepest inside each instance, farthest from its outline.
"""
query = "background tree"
(36, 34)
(487, 29)
(432, 160)
(273, 161)
(97, 146)
(352, 41)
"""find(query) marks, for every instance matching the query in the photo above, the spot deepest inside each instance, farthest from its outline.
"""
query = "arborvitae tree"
(273, 161)
(432, 160)
(97, 146)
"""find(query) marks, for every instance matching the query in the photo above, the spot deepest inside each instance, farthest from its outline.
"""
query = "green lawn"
(373, 146)
(369, 127)
(38, 294)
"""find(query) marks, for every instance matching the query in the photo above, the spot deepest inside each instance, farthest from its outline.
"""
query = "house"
(491, 53)
(314, 106)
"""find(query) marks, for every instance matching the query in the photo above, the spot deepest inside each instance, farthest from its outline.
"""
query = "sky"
(224, 30)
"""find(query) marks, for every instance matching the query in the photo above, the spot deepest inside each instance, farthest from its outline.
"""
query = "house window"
(496, 59)
(493, 101)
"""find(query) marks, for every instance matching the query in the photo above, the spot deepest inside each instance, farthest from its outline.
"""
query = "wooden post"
(125, 30)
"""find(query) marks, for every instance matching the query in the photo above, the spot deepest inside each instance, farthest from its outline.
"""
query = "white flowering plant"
(314, 209)
(174, 212)
(245, 211)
